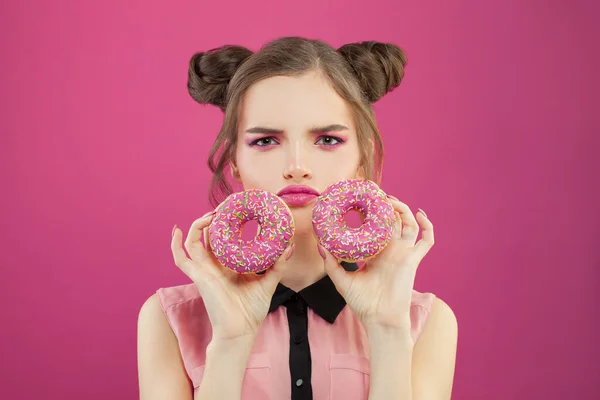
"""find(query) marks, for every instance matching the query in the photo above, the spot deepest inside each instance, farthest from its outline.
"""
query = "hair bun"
(210, 72)
(378, 66)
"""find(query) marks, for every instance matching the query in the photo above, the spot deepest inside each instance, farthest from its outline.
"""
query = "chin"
(303, 220)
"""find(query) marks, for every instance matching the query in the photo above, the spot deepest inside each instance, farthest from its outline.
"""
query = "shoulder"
(174, 295)
(160, 367)
(442, 311)
(165, 315)
(184, 311)
(152, 319)
(434, 354)
(424, 300)
(441, 315)
(179, 312)
(433, 309)
(150, 307)
(441, 322)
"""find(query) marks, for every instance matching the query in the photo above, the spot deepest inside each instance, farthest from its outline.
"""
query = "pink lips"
(298, 195)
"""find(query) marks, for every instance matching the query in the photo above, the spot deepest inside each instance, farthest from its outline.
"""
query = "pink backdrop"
(493, 133)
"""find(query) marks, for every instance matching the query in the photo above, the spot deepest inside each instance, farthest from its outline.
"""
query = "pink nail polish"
(423, 213)
(173, 231)
(321, 251)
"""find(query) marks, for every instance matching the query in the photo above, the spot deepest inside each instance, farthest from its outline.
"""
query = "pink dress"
(337, 346)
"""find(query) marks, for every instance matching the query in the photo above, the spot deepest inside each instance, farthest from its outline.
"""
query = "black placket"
(300, 360)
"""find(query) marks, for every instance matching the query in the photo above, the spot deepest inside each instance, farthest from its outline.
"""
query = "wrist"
(391, 354)
(389, 322)
(381, 336)
(240, 345)
(225, 366)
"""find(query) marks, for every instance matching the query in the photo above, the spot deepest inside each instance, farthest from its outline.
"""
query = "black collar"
(321, 296)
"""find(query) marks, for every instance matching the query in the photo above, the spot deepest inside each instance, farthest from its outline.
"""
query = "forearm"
(391, 360)
(224, 370)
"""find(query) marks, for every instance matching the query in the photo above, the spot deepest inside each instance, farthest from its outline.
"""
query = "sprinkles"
(275, 233)
(353, 244)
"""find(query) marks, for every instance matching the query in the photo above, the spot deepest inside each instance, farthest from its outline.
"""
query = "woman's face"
(279, 143)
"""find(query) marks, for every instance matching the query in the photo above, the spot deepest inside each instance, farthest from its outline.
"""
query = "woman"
(298, 117)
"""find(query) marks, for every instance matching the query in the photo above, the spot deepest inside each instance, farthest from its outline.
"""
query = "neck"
(305, 266)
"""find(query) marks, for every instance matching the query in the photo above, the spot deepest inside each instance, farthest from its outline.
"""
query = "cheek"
(342, 162)
(258, 169)
(247, 159)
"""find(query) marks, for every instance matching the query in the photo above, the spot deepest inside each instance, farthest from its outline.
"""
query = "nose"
(296, 164)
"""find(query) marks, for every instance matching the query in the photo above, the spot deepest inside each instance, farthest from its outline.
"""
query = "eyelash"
(339, 141)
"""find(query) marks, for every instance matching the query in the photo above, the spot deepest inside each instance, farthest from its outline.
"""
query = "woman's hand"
(380, 293)
(236, 303)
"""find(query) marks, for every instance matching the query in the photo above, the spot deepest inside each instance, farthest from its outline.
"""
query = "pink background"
(494, 133)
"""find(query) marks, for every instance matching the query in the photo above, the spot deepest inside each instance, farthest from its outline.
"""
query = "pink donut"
(275, 233)
(347, 243)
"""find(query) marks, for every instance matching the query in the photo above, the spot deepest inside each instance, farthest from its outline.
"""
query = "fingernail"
(208, 213)
(392, 197)
(289, 255)
(423, 213)
(173, 231)
(321, 251)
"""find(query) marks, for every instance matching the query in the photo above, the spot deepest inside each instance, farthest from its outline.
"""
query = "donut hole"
(353, 218)
(249, 230)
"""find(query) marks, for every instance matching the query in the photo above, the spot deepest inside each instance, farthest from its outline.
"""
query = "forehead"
(293, 102)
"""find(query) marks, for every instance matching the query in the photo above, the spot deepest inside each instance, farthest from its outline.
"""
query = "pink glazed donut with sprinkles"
(275, 233)
(353, 244)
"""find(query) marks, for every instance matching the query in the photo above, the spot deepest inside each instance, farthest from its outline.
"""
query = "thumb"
(336, 272)
(274, 273)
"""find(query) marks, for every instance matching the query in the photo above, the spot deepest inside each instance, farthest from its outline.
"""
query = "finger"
(206, 239)
(180, 257)
(410, 227)
(273, 275)
(339, 276)
(397, 226)
(427, 237)
(192, 244)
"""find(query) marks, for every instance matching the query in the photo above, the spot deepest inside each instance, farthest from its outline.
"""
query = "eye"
(263, 142)
(329, 140)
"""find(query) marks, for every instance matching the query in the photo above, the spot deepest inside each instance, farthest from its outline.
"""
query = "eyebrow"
(318, 129)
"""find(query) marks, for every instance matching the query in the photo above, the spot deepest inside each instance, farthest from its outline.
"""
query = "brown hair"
(360, 73)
